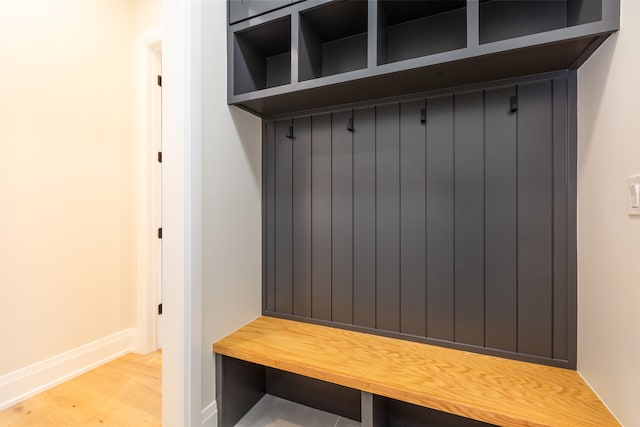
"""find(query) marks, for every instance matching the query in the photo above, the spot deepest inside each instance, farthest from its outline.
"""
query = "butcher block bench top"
(485, 388)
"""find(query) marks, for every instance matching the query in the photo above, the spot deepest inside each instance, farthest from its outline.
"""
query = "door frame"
(148, 126)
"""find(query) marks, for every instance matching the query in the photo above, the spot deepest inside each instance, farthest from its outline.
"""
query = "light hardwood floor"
(126, 392)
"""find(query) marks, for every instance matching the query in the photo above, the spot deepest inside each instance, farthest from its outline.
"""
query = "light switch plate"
(633, 189)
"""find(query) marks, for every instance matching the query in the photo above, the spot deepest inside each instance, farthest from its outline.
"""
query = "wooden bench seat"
(485, 388)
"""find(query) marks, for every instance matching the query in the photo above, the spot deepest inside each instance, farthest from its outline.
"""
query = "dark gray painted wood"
(388, 217)
(302, 217)
(500, 20)
(402, 414)
(469, 218)
(440, 237)
(426, 36)
(262, 56)
(249, 67)
(461, 237)
(257, 7)
(310, 53)
(284, 217)
(342, 55)
(240, 386)
(413, 249)
(535, 215)
(321, 216)
(583, 11)
(270, 224)
(364, 213)
(501, 216)
(278, 69)
(321, 395)
(560, 219)
(539, 51)
(333, 39)
(382, 40)
(244, 9)
(342, 218)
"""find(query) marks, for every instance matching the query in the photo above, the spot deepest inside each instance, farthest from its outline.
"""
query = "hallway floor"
(126, 392)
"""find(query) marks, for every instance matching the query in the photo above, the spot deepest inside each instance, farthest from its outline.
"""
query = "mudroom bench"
(382, 381)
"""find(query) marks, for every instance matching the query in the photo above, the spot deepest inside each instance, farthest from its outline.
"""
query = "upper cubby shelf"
(333, 39)
(411, 29)
(262, 56)
(287, 56)
(507, 19)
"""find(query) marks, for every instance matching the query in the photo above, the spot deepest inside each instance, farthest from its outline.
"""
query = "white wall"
(608, 239)
(231, 203)
(67, 262)
(212, 208)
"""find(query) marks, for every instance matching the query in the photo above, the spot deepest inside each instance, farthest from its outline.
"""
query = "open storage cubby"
(240, 385)
(262, 56)
(506, 19)
(394, 413)
(411, 29)
(333, 39)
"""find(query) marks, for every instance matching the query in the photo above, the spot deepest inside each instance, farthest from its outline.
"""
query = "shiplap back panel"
(445, 219)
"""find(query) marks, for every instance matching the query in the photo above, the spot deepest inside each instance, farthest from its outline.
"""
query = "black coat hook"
(513, 104)
(350, 124)
(290, 133)
(423, 115)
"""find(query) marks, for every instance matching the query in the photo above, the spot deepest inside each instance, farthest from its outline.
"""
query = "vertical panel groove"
(375, 240)
(453, 219)
(553, 215)
(426, 220)
(353, 220)
(291, 310)
(311, 197)
(400, 329)
(331, 210)
(484, 222)
(517, 113)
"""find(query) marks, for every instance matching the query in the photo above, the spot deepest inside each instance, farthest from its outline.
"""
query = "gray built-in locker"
(449, 219)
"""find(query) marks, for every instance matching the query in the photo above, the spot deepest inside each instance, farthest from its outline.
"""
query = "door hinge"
(159, 156)
(160, 308)
(159, 80)
(160, 233)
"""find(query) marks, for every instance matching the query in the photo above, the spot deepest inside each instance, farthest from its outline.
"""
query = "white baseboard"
(31, 380)
(210, 415)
